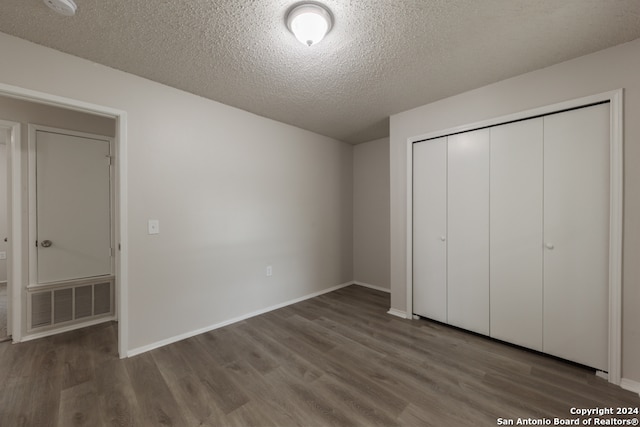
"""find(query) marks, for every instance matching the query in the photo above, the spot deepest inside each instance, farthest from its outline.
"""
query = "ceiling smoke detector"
(63, 7)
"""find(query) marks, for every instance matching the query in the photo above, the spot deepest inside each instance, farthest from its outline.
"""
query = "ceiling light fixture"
(63, 7)
(309, 22)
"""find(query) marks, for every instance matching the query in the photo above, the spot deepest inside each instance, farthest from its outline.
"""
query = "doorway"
(4, 296)
(20, 279)
(12, 222)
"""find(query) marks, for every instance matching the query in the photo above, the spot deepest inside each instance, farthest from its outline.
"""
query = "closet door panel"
(576, 234)
(468, 231)
(430, 229)
(516, 233)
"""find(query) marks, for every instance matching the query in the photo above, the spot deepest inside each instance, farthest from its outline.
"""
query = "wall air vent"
(63, 305)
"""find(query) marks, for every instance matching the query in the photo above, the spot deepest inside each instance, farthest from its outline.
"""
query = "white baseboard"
(171, 340)
(398, 313)
(69, 328)
(630, 385)
(367, 285)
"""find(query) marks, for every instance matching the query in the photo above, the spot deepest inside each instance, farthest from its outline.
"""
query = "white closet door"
(430, 229)
(73, 207)
(516, 233)
(576, 233)
(468, 231)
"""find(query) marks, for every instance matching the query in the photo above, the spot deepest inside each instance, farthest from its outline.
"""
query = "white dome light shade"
(309, 23)
(63, 7)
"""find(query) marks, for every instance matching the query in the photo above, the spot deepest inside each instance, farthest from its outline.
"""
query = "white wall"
(233, 192)
(602, 71)
(371, 213)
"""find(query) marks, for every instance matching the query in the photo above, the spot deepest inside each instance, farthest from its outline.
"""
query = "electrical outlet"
(153, 226)
(269, 271)
(3, 255)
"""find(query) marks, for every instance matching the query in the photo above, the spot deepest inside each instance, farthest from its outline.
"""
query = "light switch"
(154, 226)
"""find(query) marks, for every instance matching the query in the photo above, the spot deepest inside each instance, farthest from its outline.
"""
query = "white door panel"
(516, 233)
(72, 207)
(430, 229)
(576, 219)
(468, 231)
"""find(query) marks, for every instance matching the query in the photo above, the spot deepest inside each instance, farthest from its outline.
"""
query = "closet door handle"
(443, 238)
(549, 246)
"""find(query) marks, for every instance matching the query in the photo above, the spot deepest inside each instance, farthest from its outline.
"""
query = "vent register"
(54, 307)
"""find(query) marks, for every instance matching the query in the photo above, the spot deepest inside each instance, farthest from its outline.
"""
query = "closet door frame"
(615, 100)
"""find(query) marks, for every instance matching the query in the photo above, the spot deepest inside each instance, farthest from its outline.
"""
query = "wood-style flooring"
(334, 360)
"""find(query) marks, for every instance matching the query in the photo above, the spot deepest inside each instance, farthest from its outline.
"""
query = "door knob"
(443, 238)
(549, 246)
(45, 243)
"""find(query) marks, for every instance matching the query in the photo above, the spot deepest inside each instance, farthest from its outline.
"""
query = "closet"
(511, 232)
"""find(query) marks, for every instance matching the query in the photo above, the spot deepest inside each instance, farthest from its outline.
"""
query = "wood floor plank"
(198, 404)
(343, 369)
(251, 414)
(362, 410)
(335, 360)
(118, 404)
(14, 410)
(318, 409)
(227, 394)
(78, 365)
(248, 349)
(284, 409)
(47, 371)
(156, 403)
(281, 354)
(78, 406)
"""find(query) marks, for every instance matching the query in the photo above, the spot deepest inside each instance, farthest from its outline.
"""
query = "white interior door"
(73, 212)
(576, 234)
(430, 229)
(516, 233)
(468, 231)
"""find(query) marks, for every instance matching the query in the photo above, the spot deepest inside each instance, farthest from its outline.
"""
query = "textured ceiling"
(381, 57)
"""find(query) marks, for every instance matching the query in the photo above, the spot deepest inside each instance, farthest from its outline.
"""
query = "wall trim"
(68, 328)
(375, 287)
(398, 313)
(176, 338)
(615, 99)
(14, 230)
(630, 385)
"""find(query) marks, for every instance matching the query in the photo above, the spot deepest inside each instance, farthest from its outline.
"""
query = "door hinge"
(109, 160)
(113, 252)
